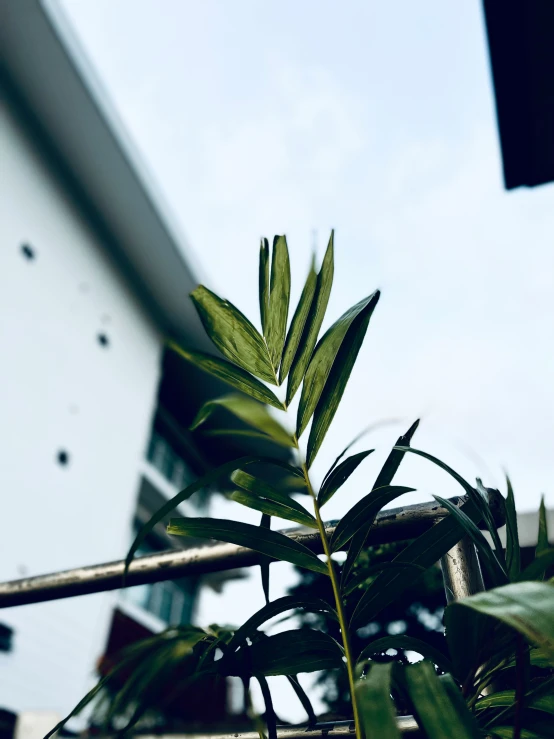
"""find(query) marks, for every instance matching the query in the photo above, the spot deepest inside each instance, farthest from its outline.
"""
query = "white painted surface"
(61, 390)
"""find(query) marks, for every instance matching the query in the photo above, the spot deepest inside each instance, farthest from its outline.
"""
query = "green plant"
(251, 362)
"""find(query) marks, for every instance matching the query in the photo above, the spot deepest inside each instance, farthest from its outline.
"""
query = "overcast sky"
(376, 119)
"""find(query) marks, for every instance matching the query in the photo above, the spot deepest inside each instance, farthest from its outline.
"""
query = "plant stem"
(338, 602)
(520, 685)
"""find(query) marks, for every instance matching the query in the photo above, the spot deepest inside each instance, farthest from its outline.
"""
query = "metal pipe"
(331, 730)
(461, 571)
(394, 524)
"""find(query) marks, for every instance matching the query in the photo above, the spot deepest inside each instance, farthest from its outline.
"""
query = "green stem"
(338, 602)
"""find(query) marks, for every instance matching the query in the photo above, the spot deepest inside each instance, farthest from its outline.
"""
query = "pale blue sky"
(376, 119)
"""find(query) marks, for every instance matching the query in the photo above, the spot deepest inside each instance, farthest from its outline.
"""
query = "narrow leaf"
(363, 513)
(424, 551)
(323, 358)
(276, 607)
(265, 523)
(229, 373)
(271, 543)
(291, 652)
(488, 558)
(264, 283)
(538, 567)
(506, 698)
(298, 323)
(525, 606)
(542, 536)
(233, 334)
(270, 718)
(358, 582)
(378, 646)
(339, 476)
(384, 478)
(513, 556)
(249, 411)
(303, 698)
(264, 490)
(375, 704)
(279, 298)
(272, 508)
(436, 712)
(313, 322)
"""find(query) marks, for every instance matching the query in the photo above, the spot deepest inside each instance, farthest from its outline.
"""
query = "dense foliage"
(500, 638)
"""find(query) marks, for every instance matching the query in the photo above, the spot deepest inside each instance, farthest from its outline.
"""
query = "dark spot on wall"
(103, 340)
(28, 252)
(63, 458)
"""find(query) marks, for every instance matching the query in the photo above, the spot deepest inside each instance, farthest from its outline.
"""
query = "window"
(166, 460)
(171, 602)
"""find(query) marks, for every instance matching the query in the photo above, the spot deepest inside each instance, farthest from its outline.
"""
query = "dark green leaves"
(276, 607)
(265, 541)
(291, 652)
(313, 322)
(438, 712)
(229, 373)
(323, 358)
(513, 557)
(542, 537)
(424, 551)
(264, 283)
(279, 297)
(525, 606)
(378, 646)
(261, 496)
(363, 514)
(375, 704)
(298, 323)
(338, 476)
(249, 411)
(233, 334)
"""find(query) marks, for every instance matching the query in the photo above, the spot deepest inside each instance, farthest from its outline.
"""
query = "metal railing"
(460, 568)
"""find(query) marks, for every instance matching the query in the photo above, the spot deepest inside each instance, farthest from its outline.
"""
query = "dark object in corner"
(521, 47)
(6, 641)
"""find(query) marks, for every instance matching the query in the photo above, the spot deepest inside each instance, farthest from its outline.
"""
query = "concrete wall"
(62, 391)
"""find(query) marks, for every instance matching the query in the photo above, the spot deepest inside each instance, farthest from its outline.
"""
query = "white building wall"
(61, 390)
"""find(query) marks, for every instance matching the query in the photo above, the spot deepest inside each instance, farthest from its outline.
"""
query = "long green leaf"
(249, 411)
(488, 558)
(264, 490)
(542, 536)
(263, 280)
(482, 496)
(537, 568)
(276, 607)
(513, 555)
(436, 712)
(507, 698)
(291, 652)
(270, 718)
(424, 551)
(271, 508)
(335, 385)
(401, 641)
(229, 373)
(525, 606)
(265, 523)
(313, 322)
(339, 476)
(384, 478)
(466, 718)
(233, 334)
(507, 732)
(271, 543)
(375, 703)
(323, 358)
(279, 298)
(363, 513)
(298, 322)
